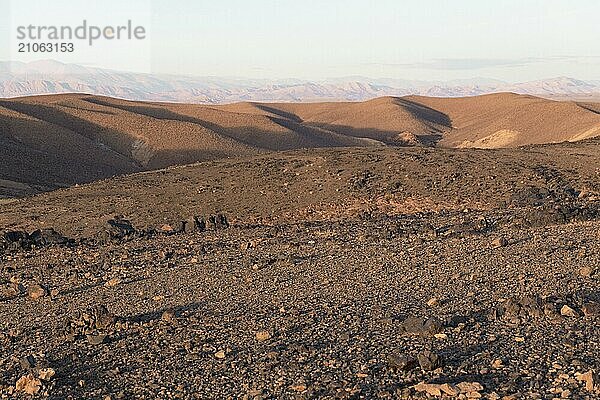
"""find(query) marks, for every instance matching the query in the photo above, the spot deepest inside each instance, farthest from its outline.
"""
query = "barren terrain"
(363, 272)
(54, 141)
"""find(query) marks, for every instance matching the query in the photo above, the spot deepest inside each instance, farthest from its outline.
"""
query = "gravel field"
(495, 302)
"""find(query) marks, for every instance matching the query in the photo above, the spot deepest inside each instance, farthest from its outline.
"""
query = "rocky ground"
(500, 301)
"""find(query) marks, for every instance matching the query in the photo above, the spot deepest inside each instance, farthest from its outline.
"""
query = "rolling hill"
(56, 141)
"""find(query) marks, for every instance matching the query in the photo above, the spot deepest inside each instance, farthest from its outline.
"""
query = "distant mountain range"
(46, 77)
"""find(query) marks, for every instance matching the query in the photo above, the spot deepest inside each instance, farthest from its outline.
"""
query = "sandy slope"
(510, 120)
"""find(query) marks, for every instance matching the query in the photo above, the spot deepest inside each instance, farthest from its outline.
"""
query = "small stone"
(255, 392)
(46, 374)
(112, 282)
(567, 311)
(428, 361)
(499, 242)
(220, 354)
(168, 316)
(27, 362)
(433, 302)
(586, 272)
(469, 387)
(449, 389)
(441, 336)
(497, 363)
(263, 336)
(166, 228)
(589, 378)
(36, 291)
(28, 384)
(591, 309)
(422, 326)
(402, 362)
(430, 388)
(96, 339)
(299, 388)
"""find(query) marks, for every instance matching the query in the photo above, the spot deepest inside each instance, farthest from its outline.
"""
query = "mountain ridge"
(51, 77)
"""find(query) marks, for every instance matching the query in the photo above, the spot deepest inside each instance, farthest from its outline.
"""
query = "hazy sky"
(514, 40)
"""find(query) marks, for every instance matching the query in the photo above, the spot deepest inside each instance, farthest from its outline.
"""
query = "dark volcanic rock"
(422, 326)
(195, 224)
(401, 361)
(93, 321)
(218, 221)
(119, 228)
(428, 360)
(47, 236)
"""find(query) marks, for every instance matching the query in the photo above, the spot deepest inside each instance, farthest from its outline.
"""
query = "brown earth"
(350, 273)
(316, 184)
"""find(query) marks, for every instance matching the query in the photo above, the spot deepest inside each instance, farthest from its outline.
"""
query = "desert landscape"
(56, 141)
(401, 247)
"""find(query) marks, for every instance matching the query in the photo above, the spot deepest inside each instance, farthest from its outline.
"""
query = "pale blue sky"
(514, 40)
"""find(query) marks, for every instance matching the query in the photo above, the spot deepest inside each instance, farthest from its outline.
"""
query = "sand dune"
(59, 140)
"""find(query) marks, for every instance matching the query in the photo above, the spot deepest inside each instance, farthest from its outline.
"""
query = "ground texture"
(372, 286)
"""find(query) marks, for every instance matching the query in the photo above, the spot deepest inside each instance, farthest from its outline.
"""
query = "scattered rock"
(591, 309)
(402, 362)
(519, 310)
(433, 302)
(46, 374)
(218, 221)
(169, 316)
(422, 326)
(567, 311)
(93, 321)
(119, 228)
(586, 272)
(28, 384)
(166, 229)
(39, 238)
(112, 282)
(46, 237)
(430, 388)
(428, 361)
(195, 224)
(469, 387)
(589, 378)
(28, 362)
(220, 354)
(263, 336)
(499, 242)
(96, 339)
(36, 291)
(469, 390)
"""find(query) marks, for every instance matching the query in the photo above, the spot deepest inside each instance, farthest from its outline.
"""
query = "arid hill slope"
(60, 140)
(320, 184)
(510, 120)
